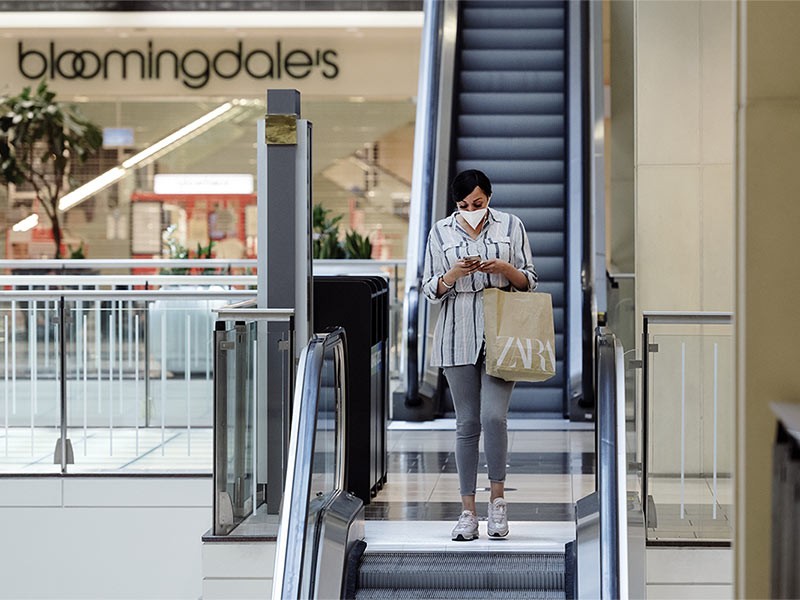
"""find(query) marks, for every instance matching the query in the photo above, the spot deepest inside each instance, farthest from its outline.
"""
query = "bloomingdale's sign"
(194, 68)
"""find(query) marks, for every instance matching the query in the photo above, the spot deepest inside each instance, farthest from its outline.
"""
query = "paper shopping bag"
(520, 337)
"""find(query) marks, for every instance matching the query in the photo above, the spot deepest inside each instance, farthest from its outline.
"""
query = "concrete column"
(767, 266)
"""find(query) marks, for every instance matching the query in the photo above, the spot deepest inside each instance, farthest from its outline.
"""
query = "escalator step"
(511, 126)
(516, 39)
(389, 594)
(503, 17)
(512, 103)
(531, 148)
(512, 60)
(462, 570)
(512, 81)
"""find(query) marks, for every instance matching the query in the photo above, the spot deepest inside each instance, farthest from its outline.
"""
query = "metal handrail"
(254, 314)
(170, 263)
(294, 521)
(612, 467)
(423, 183)
(39, 295)
(96, 280)
(412, 348)
(126, 263)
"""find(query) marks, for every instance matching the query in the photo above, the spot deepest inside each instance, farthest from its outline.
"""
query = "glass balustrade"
(689, 412)
(239, 455)
(121, 380)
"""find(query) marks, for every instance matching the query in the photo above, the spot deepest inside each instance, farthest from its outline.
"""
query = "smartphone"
(471, 259)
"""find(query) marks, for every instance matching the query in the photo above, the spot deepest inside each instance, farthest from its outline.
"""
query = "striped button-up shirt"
(458, 336)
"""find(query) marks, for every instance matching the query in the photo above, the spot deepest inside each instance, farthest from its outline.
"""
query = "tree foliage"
(40, 140)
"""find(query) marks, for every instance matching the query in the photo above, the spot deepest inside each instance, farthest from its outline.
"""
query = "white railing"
(123, 381)
(109, 380)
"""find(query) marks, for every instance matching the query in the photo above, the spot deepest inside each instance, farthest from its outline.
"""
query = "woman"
(472, 249)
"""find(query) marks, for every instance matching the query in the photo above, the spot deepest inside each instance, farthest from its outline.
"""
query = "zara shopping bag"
(520, 337)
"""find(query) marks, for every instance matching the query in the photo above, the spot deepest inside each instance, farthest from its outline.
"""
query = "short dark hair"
(468, 180)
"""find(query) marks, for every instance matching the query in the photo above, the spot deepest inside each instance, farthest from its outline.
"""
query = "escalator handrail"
(294, 507)
(612, 467)
(422, 184)
(412, 358)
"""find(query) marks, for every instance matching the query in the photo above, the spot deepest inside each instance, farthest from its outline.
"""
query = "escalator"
(322, 551)
(500, 103)
(509, 120)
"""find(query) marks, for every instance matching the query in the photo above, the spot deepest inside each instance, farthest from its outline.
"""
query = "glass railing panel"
(181, 361)
(690, 432)
(234, 473)
(621, 317)
(31, 396)
(137, 380)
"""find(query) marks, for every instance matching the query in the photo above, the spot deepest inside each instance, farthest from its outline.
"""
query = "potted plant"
(40, 140)
(326, 243)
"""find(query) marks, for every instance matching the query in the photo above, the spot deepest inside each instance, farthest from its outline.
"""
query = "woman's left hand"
(495, 265)
(516, 277)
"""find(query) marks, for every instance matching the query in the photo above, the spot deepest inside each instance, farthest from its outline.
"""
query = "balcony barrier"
(687, 442)
(238, 488)
(108, 381)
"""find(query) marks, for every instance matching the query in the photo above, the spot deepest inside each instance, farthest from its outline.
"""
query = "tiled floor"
(420, 501)
(689, 510)
(118, 450)
(550, 466)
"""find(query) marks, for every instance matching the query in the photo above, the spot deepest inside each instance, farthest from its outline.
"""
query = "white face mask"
(473, 217)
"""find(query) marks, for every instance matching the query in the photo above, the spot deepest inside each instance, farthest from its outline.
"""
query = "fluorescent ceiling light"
(27, 223)
(93, 186)
(139, 158)
(149, 154)
(325, 19)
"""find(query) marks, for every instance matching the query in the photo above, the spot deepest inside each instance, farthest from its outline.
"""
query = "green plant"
(357, 245)
(326, 243)
(40, 140)
(205, 251)
(76, 253)
(326, 234)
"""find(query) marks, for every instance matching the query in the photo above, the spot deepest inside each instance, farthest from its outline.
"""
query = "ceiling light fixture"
(149, 154)
(27, 223)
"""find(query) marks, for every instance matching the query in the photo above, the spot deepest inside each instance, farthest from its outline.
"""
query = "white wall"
(238, 570)
(684, 222)
(768, 272)
(101, 537)
(689, 573)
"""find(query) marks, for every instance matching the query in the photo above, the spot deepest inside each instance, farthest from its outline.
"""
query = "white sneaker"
(497, 521)
(467, 527)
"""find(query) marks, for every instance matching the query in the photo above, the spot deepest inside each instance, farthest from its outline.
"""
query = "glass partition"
(235, 495)
(238, 488)
(689, 411)
(31, 392)
(121, 379)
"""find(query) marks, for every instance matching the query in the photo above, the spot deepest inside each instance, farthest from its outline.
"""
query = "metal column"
(284, 274)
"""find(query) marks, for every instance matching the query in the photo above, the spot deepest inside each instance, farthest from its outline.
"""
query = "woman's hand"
(460, 269)
(516, 277)
(463, 268)
(495, 265)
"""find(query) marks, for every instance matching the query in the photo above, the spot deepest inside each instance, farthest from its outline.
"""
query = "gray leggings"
(479, 399)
